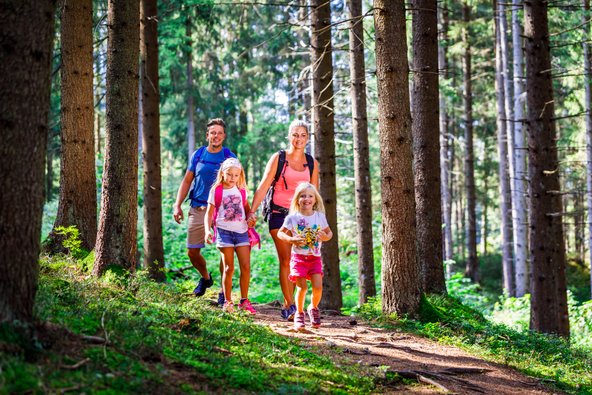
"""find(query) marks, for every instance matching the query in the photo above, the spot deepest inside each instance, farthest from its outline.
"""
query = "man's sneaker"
(315, 316)
(291, 312)
(246, 305)
(299, 321)
(228, 307)
(202, 285)
(221, 298)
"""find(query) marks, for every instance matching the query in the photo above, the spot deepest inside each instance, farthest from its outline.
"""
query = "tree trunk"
(445, 160)
(401, 280)
(426, 145)
(190, 106)
(153, 247)
(588, 107)
(520, 190)
(116, 240)
(324, 136)
(78, 184)
(305, 83)
(472, 266)
(503, 165)
(49, 173)
(548, 285)
(27, 31)
(366, 282)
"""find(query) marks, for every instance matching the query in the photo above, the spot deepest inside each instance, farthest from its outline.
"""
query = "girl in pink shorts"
(306, 228)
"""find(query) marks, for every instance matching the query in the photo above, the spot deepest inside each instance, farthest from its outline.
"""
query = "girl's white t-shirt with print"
(231, 213)
(308, 226)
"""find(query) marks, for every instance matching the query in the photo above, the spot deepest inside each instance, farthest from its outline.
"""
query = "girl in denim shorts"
(306, 228)
(226, 212)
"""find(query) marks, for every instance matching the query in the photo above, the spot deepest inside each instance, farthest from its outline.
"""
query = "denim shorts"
(227, 238)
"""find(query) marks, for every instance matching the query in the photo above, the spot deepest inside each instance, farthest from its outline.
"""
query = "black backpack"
(268, 204)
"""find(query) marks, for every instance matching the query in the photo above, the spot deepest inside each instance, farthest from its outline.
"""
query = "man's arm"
(181, 194)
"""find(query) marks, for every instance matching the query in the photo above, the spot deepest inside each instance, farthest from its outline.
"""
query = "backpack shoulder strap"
(197, 157)
(309, 163)
(280, 166)
(227, 153)
(218, 192)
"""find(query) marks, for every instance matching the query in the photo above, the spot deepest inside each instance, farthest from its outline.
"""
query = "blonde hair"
(227, 164)
(297, 123)
(303, 186)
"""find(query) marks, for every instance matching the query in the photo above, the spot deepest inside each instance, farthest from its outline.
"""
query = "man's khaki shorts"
(195, 227)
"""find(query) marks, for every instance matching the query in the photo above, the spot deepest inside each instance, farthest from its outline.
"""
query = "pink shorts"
(304, 266)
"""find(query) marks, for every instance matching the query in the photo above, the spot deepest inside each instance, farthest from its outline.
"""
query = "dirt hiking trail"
(436, 368)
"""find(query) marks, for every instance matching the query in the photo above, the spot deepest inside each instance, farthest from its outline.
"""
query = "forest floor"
(417, 365)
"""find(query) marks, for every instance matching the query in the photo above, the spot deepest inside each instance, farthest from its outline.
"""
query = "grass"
(444, 319)
(159, 340)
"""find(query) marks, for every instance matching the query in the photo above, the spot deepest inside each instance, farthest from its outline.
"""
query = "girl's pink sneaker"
(315, 317)
(247, 306)
(299, 321)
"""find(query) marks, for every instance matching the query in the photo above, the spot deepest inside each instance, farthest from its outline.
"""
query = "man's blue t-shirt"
(205, 169)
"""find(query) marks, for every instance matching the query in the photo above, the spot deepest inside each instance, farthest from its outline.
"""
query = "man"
(202, 171)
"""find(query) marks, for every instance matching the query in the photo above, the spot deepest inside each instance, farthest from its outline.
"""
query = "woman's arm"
(265, 183)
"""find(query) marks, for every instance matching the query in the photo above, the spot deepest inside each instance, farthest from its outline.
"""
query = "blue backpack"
(197, 158)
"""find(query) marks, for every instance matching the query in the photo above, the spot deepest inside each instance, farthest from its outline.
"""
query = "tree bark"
(588, 107)
(445, 160)
(26, 42)
(190, 105)
(324, 136)
(366, 282)
(426, 145)
(401, 281)
(116, 240)
(49, 172)
(548, 285)
(153, 246)
(503, 165)
(520, 190)
(305, 79)
(472, 265)
(78, 183)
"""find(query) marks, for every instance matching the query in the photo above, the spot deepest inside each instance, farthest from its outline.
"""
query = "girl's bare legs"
(244, 260)
(228, 259)
(284, 251)
(316, 280)
(301, 288)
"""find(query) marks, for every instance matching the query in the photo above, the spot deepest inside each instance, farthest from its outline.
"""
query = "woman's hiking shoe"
(228, 307)
(285, 313)
(288, 314)
(221, 298)
(291, 311)
(246, 305)
(315, 317)
(202, 285)
(299, 321)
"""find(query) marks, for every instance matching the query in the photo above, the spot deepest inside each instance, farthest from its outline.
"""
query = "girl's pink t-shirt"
(282, 196)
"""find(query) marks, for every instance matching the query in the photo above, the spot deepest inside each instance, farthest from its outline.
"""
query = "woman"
(296, 169)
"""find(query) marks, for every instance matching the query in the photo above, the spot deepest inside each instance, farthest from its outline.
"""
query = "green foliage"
(72, 241)
(158, 337)
(566, 365)
(515, 313)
